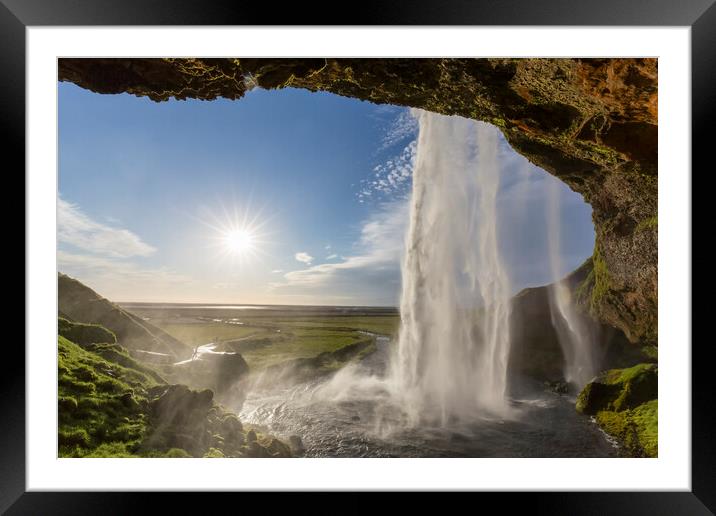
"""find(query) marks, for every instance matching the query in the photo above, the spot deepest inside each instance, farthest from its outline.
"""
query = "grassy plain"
(270, 336)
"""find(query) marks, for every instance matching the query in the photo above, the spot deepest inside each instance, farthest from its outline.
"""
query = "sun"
(239, 236)
(239, 241)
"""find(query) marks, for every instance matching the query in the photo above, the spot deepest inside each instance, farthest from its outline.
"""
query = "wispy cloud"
(401, 128)
(75, 228)
(304, 258)
(331, 256)
(372, 273)
(390, 179)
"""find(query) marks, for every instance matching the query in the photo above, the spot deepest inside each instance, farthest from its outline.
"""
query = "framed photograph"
(419, 252)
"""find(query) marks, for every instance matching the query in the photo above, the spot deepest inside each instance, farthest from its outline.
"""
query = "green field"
(269, 337)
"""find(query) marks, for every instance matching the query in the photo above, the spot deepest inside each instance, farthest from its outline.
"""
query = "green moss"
(636, 429)
(84, 334)
(111, 450)
(648, 224)
(214, 453)
(68, 436)
(619, 389)
(177, 453)
(81, 303)
(626, 406)
(67, 404)
(651, 351)
(584, 289)
(607, 153)
(646, 419)
(91, 411)
(601, 281)
(623, 376)
(109, 410)
(594, 289)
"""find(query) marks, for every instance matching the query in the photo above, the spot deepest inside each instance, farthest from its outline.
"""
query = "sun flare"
(238, 236)
(238, 241)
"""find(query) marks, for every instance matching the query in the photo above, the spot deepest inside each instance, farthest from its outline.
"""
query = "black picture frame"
(700, 15)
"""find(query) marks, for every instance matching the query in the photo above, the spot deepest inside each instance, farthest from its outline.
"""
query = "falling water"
(573, 331)
(451, 358)
(441, 390)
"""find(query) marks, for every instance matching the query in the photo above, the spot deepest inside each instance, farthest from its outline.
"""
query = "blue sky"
(147, 192)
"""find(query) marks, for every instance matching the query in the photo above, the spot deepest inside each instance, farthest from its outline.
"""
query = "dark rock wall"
(535, 350)
(590, 122)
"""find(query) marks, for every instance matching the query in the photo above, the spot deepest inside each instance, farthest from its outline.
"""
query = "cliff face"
(535, 350)
(590, 122)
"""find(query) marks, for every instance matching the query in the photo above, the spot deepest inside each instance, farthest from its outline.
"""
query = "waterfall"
(451, 359)
(573, 330)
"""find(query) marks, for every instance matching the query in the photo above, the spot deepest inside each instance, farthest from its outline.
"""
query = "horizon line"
(249, 304)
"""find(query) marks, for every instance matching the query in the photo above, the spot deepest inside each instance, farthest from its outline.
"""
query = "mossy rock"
(619, 389)
(109, 405)
(214, 453)
(177, 453)
(625, 404)
(279, 449)
(636, 429)
(85, 334)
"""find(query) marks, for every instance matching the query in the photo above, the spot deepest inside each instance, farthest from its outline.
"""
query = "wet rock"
(214, 453)
(279, 449)
(625, 406)
(535, 350)
(303, 369)
(216, 441)
(181, 406)
(619, 389)
(296, 445)
(231, 426)
(251, 436)
(257, 451)
(557, 386)
(223, 373)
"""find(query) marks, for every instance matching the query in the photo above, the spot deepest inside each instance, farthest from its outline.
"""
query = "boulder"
(619, 389)
(231, 426)
(223, 373)
(278, 448)
(257, 451)
(180, 406)
(624, 403)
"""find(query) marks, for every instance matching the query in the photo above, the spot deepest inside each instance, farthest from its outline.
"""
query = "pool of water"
(362, 421)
